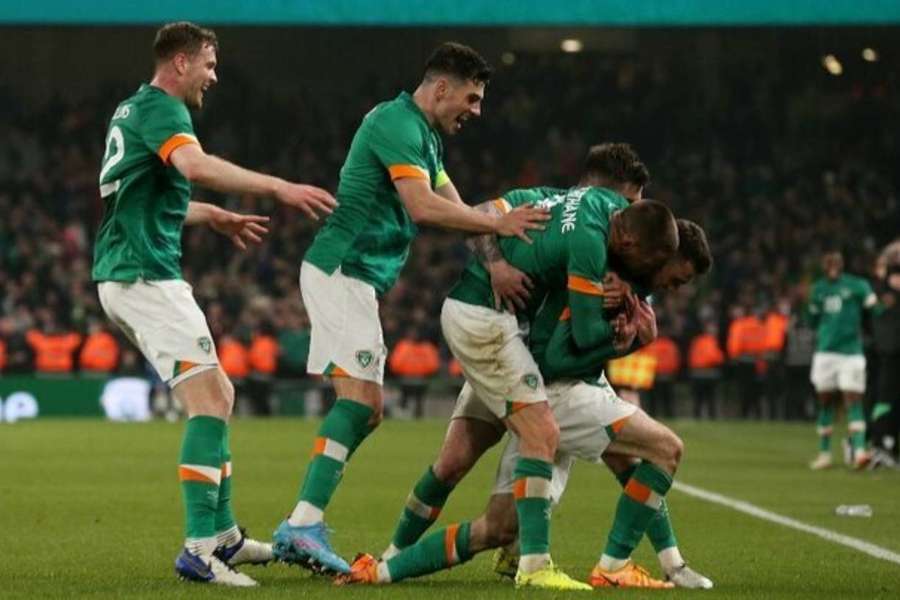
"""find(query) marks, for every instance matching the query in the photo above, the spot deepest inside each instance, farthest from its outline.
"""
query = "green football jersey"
(570, 252)
(146, 197)
(836, 306)
(369, 233)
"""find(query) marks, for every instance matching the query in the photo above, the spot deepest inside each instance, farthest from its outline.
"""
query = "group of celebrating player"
(558, 284)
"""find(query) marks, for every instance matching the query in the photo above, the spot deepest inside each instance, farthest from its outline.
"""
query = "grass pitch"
(92, 510)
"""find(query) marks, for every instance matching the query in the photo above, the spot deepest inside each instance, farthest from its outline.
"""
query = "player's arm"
(813, 313)
(444, 187)
(428, 208)
(239, 228)
(212, 172)
(870, 299)
(564, 359)
(509, 285)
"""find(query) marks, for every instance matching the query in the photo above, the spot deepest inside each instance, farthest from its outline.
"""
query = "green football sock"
(824, 426)
(422, 508)
(856, 424)
(660, 531)
(224, 514)
(342, 431)
(532, 493)
(440, 550)
(639, 503)
(200, 471)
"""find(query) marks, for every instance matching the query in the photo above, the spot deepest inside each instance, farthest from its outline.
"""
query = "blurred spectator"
(234, 359)
(775, 324)
(885, 416)
(293, 344)
(414, 360)
(54, 350)
(100, 352)
(668, 364)
(746, 343)
(705, 360)
(263, 363)
(800, 343)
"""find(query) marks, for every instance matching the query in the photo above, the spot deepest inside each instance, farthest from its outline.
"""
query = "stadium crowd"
(775, 172)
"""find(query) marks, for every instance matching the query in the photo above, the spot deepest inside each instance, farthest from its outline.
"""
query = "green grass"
(91, 509)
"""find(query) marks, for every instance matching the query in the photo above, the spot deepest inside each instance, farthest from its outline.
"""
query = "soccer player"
(835, 308)
(497, 362)
(152, 159)
(588, 413)
(392, 180)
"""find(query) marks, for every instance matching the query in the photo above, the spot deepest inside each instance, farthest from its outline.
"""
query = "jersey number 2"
(110, 159)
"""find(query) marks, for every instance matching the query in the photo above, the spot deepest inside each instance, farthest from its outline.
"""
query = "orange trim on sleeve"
(566, 314)
(585, 286)
(176, 141)
(502, 205)
(407, 172)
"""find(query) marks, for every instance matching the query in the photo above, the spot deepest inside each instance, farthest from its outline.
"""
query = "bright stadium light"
(571, 45)
(832, 64)
(869, 55)
(508, 58)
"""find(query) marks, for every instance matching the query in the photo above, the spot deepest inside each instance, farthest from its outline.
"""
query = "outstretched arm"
(220, 175)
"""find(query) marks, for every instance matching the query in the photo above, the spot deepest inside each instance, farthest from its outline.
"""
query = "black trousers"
(884, 431)
(750, 391)
(704, 391)
(799, 393)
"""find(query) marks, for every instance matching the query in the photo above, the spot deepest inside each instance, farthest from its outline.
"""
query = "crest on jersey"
(531, 380)
(364, 358)
(204, 343)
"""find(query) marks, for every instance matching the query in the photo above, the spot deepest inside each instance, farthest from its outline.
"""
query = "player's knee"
(550, 434)
(451, 470)
(673, 449)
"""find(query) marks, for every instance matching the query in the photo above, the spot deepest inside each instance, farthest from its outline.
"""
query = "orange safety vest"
(705, 352)
(415, 359)
(668, 356)
(746, 336)
(100, 353)
(776, 329)
(264, 354)
(53, 353)
(636, 371)
(233, 357)
(2, 355)
(454, 368)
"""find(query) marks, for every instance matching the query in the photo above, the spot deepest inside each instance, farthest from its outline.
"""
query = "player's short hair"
(459, 61)
(182, 36)
(653, 224)
(693, 246)
(618, 163)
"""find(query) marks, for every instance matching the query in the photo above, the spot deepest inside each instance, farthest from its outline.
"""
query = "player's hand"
(645, 321)
(518, 221)
(308, 198)
(512, 288)
(614, 291)
(624, 332)
(241, 229)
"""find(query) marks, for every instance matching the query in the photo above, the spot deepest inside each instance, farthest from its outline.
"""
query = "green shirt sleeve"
(814, 308)
(399, 145)
(166, 126)
(563, 358)
(586, 270)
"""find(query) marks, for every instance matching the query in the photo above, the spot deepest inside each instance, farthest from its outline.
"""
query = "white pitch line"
(761, 513)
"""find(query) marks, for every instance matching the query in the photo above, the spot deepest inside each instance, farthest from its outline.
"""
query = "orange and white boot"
(631, 575)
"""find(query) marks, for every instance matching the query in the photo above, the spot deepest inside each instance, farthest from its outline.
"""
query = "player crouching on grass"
(594, 426)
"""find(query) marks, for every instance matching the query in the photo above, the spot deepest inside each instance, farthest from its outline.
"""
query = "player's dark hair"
(653, 224)
(182, 36)
(693, 246)
(459, 61)
(616, 162)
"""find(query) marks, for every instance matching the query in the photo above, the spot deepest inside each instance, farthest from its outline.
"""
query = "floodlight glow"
(869, 55)
(571, 45)
(832, 64)
(508, 58)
